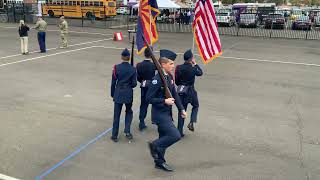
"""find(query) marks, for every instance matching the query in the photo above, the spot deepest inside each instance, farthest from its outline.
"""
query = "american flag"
(205, 31)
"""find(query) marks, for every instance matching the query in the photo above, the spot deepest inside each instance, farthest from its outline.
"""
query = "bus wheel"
(89, 15)
(51, 13)
(3, 18)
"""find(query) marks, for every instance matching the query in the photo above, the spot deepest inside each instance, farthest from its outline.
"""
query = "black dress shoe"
(190, 127)
(153, 150)
(114, 139)
(141, 128)
(164, 166)
(129, 136)
(181, 133)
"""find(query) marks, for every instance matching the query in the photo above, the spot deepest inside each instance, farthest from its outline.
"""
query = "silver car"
(225, 19)
(248, 20)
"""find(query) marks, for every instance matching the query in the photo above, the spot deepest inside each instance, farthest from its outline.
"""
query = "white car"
(317, 21)
(226, 18)
(122, 10)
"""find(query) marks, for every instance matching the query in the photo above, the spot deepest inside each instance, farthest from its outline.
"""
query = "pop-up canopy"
(164, 4)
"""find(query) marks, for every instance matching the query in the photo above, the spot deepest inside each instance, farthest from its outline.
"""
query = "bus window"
(111, 4)
(74, 3)
(95, 3)
(101, 3)
(78, 3)
(58, 2)
(86, 3)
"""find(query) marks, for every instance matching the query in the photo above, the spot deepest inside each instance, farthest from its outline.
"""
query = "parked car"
(275, 20)
(122, 10)
(317, 21)
(302, 22)
(248, 20)
(295, 13)
(227, 18)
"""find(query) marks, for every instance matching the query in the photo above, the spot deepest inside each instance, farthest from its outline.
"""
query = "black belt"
(123, 86)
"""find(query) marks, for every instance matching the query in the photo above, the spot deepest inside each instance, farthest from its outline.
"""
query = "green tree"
(278, 2)
(229, 1)
(315, 2)
(295, 2)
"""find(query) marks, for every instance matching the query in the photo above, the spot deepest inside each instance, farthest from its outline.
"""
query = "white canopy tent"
(163, 4)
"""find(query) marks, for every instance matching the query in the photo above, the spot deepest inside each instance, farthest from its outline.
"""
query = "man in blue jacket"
(162, 111)
(185, 78)
(145, 72)
(124, 79)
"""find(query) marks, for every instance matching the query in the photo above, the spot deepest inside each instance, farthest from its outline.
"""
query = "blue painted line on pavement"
(72, 154)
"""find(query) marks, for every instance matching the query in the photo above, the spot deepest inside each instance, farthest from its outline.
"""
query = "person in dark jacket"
(185, 78)
(145, 72)
(162, 111)
(23, 33)
(124, 79)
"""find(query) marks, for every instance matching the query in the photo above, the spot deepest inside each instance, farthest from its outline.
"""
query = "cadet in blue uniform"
(124, 79)
(185, 78)
(162, 111)
(145, 72)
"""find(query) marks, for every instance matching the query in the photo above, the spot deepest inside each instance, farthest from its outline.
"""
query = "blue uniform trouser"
(116, 118)
(143, 107)
(168, 135)
(42, 41)
(194, 113)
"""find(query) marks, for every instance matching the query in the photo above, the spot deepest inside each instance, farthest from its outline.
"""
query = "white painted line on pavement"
(120, 48)
(83, 32)
(240, 58)
(4, 177)
(106, 47)
(79, 44)
(80, 32)
(271, 61)
(49, 55)
(123, 26)
(266, 60)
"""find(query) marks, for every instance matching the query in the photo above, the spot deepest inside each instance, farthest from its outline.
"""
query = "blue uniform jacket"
(145, 70)
(162, 113)
(124, 79)
(185, 74)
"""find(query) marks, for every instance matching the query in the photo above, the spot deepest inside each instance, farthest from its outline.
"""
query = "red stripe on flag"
(206, 17)
(206, 41)
(146, 35)
(199, 42)
(217, 39)
(206, 31)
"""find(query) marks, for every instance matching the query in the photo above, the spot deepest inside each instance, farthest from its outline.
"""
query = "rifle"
(167, 92)
(132, 52)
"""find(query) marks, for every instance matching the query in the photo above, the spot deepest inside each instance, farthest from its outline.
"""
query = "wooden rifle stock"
(167, 92)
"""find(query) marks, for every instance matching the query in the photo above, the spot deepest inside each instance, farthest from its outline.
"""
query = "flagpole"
(192, 41)
(150, 26)
(192, 33)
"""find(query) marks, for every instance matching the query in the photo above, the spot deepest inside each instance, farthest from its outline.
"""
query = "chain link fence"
(273, 24)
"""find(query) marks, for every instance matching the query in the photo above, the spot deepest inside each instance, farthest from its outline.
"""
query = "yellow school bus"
(80, 8)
